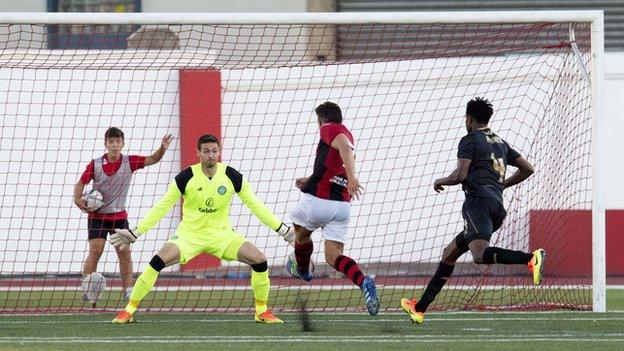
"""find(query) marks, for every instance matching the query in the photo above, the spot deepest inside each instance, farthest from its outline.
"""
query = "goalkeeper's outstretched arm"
(153, 216)
(158, 211)
(264, 214)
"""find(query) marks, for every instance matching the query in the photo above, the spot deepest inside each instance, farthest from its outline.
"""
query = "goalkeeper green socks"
(142, 287)
(260, 284)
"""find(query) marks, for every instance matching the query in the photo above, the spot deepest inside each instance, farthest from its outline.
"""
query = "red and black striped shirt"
(329, 179)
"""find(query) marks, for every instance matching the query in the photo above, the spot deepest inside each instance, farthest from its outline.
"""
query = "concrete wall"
(185, 5)
(51, 133)
(406, 116)
(224, 6)
(399, 218)
(614, 121)
(23, 6)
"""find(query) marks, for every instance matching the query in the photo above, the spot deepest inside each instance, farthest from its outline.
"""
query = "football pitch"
(564, 330)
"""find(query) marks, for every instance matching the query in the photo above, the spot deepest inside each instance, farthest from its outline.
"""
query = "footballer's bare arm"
(525, 170)
(300, 182)
(344, 147)
(160, 152)
(458, 175)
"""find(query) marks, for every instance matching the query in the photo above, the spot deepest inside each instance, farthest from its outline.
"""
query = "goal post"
(402, 80)
(599, 258)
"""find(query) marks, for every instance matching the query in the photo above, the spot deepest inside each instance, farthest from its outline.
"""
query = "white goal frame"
(596, 18)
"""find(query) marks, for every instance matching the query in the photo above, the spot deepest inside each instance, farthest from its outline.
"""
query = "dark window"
(90, 36)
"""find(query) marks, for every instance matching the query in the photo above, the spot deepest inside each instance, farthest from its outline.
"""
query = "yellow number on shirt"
(498, 163)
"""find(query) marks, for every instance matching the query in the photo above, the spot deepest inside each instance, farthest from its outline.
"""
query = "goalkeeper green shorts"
(223, 245)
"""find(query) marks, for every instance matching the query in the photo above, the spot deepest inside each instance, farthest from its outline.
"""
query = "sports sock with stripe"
(349, 268)
(303, 252)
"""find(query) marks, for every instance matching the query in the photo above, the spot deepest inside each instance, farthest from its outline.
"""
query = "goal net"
(402, 85)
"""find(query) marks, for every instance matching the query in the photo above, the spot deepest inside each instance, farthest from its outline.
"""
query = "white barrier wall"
(225, 6)
(179, 6)
(614, 119)
(23, 6)
(407, 118)
(53, 125)
(55, 120)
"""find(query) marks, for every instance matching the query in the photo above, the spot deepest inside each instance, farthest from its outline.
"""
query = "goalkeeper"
(207, 189)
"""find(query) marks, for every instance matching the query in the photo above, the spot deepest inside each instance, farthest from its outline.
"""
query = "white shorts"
(331, 216)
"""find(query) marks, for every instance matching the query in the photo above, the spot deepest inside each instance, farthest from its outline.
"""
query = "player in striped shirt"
(325, 204)
(207, 188)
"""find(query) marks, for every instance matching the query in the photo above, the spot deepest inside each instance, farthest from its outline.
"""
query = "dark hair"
(113, 132)
(207, 138)
(480, 109)
(329, 112)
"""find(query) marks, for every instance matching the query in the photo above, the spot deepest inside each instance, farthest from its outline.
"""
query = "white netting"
(403, 90)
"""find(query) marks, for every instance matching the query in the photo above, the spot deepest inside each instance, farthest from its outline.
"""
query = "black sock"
(504, 256)
(260, 267)
(435, 285)
(157, 263)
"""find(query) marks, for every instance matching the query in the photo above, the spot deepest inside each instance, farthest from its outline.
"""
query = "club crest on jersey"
(221, 190)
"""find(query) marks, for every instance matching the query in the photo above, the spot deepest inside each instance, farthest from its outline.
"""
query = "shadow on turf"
(304, 317)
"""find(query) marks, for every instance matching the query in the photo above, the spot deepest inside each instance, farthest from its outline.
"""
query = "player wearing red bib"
(111, 175)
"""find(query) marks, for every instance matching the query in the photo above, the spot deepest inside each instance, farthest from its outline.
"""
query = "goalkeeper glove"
(287, 233)
(124, 237)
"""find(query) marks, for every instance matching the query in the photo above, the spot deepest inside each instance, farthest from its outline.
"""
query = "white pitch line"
(477, 329)
(313, 337)
(204, 288)
(430, 316)
(520, 315)
(324, 287)
(323, 339)
(337, 321)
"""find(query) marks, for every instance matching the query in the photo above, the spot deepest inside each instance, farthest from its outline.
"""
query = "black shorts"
(99, 228)
(482, 217)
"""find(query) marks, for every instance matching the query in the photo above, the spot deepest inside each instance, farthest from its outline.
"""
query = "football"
(92, 286)
(94, 200)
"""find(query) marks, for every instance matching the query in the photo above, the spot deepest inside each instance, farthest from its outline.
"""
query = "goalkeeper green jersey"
(207, 201)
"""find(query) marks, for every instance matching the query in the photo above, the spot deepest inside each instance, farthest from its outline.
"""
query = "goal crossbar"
(302, 17)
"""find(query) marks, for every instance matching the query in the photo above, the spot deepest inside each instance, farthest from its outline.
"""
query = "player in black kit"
(483, 158)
